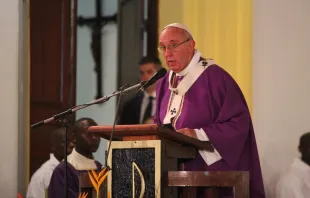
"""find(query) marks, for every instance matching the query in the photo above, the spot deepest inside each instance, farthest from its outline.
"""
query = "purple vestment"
(216, 104)
(56, 187)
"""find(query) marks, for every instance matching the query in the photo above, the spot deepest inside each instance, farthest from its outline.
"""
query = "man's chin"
(174, 68)
(94, 149)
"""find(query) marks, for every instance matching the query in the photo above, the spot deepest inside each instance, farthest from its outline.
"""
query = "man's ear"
(192, 43)
(299, 149)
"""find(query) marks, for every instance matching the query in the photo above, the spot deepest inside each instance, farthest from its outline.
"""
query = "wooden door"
(52, 61)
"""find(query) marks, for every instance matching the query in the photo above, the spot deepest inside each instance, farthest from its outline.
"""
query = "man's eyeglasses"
(171, 47)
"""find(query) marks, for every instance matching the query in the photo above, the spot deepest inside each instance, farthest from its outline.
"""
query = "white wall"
(86, 78)
(281, 82)
(9, 39)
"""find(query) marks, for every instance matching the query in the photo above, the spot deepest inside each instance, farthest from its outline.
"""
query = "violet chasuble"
(76, 164)
(208, 100)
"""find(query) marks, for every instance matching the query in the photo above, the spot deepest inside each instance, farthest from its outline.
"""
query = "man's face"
(146, 72)
(58, 148)
(86, 141)
(305, 152)
(179, 57)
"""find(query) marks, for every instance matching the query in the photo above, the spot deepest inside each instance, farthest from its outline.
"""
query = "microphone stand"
(62, 118)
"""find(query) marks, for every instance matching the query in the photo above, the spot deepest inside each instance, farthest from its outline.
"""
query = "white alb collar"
(192, 64)
(80, 162)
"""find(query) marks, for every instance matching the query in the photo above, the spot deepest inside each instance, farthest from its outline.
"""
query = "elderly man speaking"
(200, 99)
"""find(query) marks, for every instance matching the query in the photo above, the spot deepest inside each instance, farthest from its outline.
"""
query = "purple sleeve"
(160, 89)
(56, 187)
(156, 115)
(229, 132)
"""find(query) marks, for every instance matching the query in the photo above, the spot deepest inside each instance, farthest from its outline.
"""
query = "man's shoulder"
(288, 180)
(216, 70)
(219, 76)
(41, 178)
(289, 185)
(37, 176)
(134, 99)
(41, 172)
(63, 164)
(61, 167)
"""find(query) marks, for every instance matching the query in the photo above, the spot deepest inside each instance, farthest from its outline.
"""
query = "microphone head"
(161, 73)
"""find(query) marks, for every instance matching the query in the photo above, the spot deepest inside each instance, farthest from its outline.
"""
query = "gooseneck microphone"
(161, 73)
(61, 117)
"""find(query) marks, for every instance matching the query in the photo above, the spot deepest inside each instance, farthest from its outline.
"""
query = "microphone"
(145, 84)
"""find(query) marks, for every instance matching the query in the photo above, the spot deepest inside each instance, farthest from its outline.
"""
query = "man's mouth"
(171, 62)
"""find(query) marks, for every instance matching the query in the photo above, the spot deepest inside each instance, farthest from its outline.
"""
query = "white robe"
(296, 182)
(41, 178)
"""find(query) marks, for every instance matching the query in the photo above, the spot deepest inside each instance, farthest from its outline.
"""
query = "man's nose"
(144, 77)
(167, 53)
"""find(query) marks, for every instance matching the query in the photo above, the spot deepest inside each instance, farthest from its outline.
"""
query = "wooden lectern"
(146, 161)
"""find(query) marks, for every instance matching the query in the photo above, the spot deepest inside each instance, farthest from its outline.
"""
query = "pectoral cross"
(204, 63)
(173, 111)
(96, 24)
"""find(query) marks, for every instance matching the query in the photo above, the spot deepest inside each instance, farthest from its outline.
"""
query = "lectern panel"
(135, 169)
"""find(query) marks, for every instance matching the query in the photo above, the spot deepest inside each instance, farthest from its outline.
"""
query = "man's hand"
(188, 132)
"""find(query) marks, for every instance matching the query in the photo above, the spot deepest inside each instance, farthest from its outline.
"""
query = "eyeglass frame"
(172, 46)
